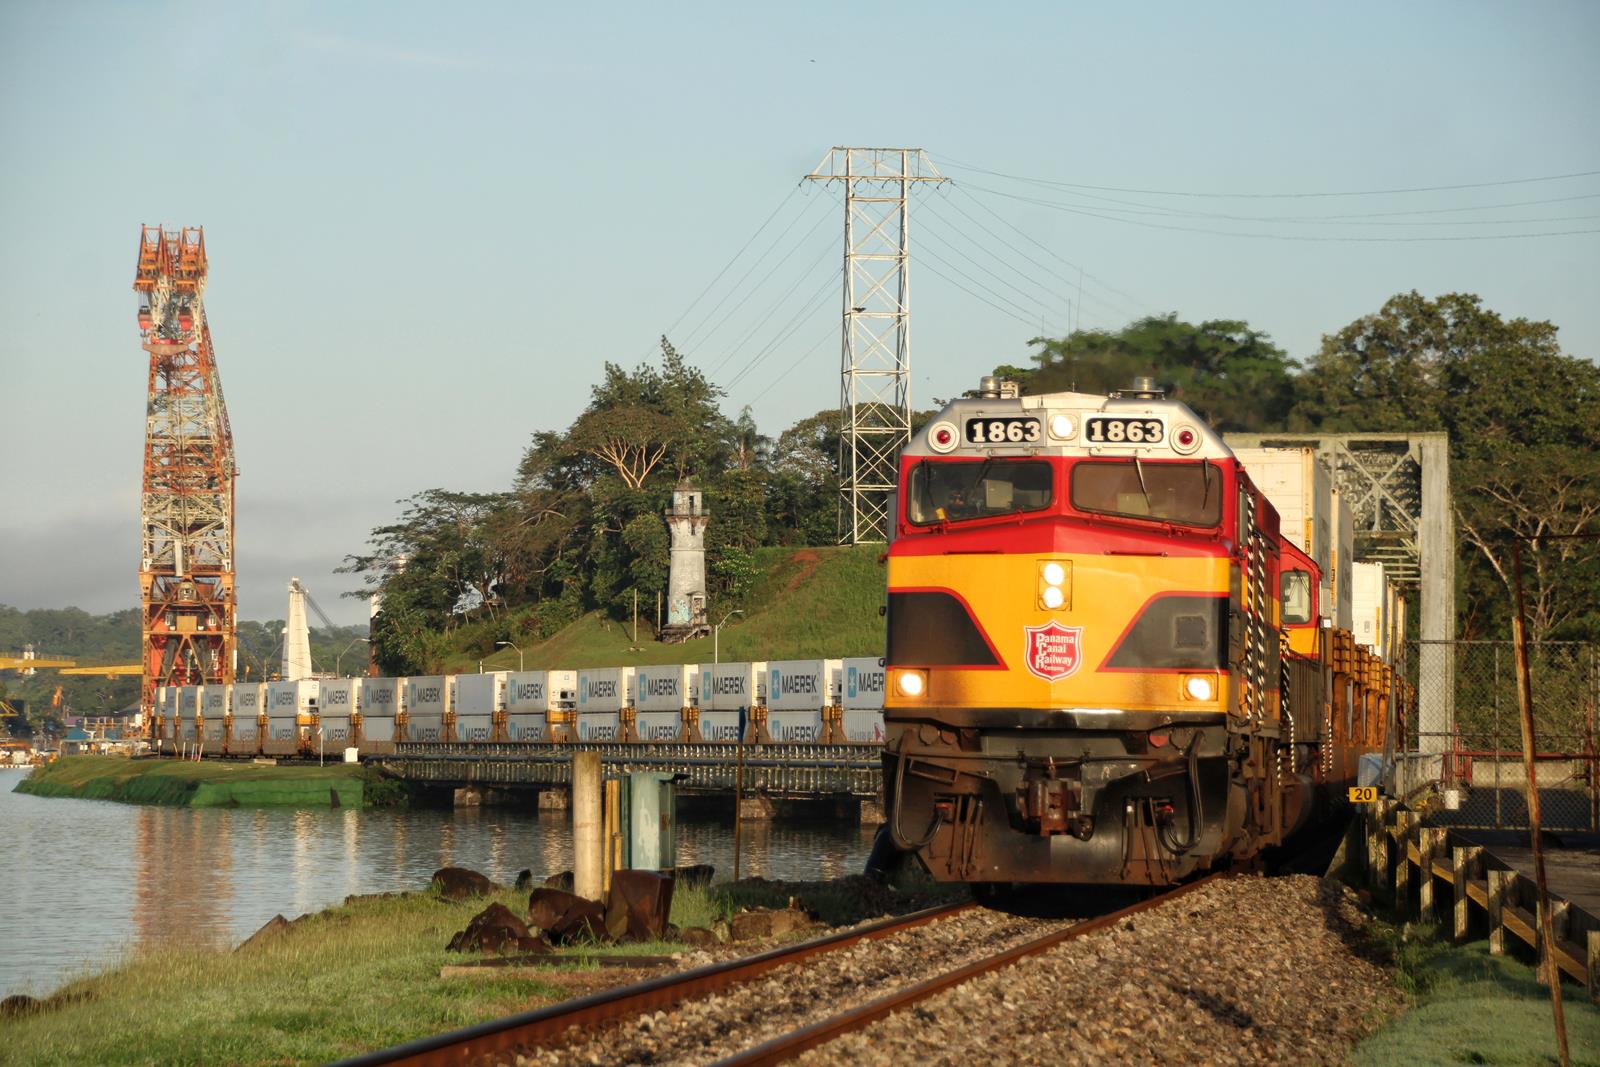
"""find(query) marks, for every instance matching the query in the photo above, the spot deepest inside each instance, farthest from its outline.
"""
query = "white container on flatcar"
(166, 704)
(1300, 487)
(530, 698)
(478, 698)
(797, 691)
(727, 693)
(1369, 607)
(379, 703)
(337, 698)
(663, 692)
(188, 708)
(290, 705)
(602, 694)
(214, 714)
(864, 682)
(247, 703)
(427, 702)
(1344, 561)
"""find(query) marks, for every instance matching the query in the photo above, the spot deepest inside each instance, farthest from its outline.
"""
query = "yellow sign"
(1363, 794)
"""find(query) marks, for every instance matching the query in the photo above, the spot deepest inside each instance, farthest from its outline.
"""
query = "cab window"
(1296, 597)
(1186, 493)
(955, 491)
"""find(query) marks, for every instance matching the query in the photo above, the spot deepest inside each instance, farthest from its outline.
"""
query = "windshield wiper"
(1138, 468)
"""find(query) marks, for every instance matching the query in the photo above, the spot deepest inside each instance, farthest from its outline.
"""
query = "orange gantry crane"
(186, 570)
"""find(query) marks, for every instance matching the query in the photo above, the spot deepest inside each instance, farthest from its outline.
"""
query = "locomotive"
(1106, 662)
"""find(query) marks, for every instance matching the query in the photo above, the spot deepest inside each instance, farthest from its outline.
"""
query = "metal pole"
(738, 808)
(1519, 624)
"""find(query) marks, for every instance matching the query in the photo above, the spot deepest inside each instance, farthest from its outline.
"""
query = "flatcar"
(1092, 677)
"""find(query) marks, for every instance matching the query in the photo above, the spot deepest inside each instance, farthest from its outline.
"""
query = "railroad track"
(552, 1026)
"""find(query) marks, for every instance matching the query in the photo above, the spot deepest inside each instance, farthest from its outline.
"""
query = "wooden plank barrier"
(1399, 853)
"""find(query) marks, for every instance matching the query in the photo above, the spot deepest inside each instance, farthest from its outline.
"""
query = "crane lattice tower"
(186, 515)
(875, 334)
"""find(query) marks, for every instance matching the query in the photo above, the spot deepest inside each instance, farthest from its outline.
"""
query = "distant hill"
(808, 603)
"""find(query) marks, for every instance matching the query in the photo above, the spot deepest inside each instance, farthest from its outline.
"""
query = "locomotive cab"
(1082, 642)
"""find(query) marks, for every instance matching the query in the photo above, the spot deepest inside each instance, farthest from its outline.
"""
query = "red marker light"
(1186, 438)
(943, 437)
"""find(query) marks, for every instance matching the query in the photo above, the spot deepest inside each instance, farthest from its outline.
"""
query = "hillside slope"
(808, 603)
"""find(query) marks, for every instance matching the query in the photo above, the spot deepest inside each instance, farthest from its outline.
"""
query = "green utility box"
(650, 810)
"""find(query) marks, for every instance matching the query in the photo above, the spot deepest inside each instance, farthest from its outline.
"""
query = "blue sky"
(429, 227)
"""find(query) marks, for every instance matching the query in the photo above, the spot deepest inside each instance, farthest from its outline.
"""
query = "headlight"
(1054, 573)
(1061, 427)
(1053, 588)
(1199, 687)
(910, 683)
(1053, 597)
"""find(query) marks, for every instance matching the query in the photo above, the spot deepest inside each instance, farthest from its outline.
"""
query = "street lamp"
(353, 642)
(508, 644)
(716, 635)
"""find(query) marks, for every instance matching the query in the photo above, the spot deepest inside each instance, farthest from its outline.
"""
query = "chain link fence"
(1480, 750)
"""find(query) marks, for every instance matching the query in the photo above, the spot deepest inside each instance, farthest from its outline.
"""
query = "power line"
(788, 329)
(978, 296)
(772, 309)
(831, 335)
(1318, 238)
(1276, 196)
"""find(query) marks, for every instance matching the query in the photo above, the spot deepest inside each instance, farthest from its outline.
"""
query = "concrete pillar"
(756, 808)
(554, 799)
(1436, 545)
(872, 811)
(469, 797)
(588, 827)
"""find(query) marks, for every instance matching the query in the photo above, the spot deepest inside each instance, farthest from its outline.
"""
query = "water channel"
(82, 881)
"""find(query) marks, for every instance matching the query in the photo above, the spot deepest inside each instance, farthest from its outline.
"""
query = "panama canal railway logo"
(1053, 651)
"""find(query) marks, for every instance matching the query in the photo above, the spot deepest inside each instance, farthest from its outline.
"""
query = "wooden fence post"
(1463, 861)
(1593, 961)
(1404, 821)
(1499, 883)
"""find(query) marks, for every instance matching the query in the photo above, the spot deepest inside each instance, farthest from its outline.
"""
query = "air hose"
(900, 840)
(1196, 805)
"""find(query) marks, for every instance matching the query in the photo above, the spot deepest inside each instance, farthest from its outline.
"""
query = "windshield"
(953, 491)
(1296, 595)
(1186, 493)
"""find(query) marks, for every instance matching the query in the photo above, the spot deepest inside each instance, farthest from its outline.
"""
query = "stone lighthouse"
(686, 586)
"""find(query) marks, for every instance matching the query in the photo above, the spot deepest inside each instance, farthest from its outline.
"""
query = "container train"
(820, 701)
(1109, 659)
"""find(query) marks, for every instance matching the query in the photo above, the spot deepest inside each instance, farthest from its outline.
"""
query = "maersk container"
(530, 698)
(379, 701)
(797, 691)
(478, 697)
(427, 702)
(602, 694)
(336, 700)
(663, 694)
(727, 693)
(290, 706)
(188, 708)
(248, 701)
(166, 708)
(865, 680)
(214, 714)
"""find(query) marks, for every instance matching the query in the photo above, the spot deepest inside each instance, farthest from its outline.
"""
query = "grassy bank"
(186, 783)
(1468, 1007)
(807, 603)
(357, 977)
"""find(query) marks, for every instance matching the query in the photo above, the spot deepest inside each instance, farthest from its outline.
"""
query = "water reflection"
(85, 878)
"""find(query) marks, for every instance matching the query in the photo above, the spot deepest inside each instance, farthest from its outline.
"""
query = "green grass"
(1469, 1007)
(808, 603)
(188, 783)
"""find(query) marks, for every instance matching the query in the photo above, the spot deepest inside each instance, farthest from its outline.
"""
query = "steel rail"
(548, 1025)
(789, 1045)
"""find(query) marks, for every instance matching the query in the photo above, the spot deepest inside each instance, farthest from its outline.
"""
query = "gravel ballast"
(1245, 970)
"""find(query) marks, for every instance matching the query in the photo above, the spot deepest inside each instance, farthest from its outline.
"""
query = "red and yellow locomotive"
(1092, 675)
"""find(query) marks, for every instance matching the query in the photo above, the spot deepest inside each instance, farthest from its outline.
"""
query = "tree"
(1233, 377)
(1524, 426)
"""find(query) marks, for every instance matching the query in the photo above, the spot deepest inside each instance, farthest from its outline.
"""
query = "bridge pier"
(756, 808)
(557, 799)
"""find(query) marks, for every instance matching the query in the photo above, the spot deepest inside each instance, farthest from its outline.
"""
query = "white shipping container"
(427, 700)
(1369, 607)
(865, 680)
(727, 693)
(247, 705)
(663, 692)
(337, 698)
(214, 713)
(188, 708)
(379, 700)
(797, 691)
(1300, 487)
(289, 703)
(478, 697)
(531, 696)
(602, 694)
(1344, 560)
(166, 707)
